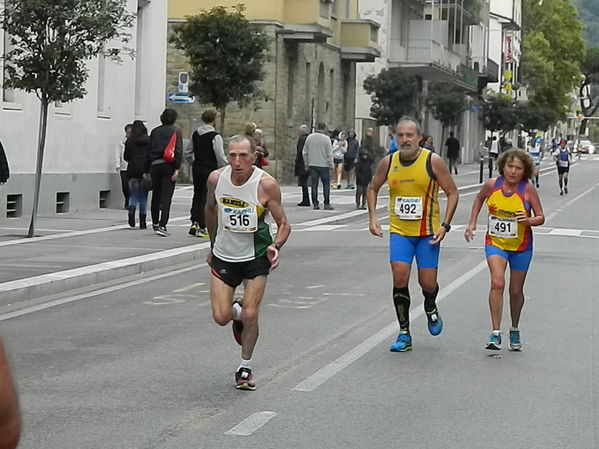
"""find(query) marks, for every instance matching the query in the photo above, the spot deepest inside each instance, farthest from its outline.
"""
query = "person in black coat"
(4, 170)
(164, 174)
(300, 168)
(363, 177)
(136, 154)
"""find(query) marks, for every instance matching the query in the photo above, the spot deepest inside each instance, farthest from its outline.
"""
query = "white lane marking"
(321, 228)
(114, 288)
(73, 234)
(553, 214)
(325, 373)
(89, 269)
(37, 229)
(324, 220)
(251, 424)
(567, 232)
(314, 286)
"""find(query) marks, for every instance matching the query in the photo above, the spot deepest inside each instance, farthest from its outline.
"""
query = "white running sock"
(245, 364)
(496, 332)
(236, 311)
(514, 329)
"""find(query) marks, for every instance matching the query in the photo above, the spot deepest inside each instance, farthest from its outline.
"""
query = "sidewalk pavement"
(79, 249)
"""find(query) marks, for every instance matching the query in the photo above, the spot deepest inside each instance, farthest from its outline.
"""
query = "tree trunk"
(41, 143)
(222, 111)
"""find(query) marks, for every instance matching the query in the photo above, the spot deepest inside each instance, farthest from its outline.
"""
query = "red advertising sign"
(508, 49)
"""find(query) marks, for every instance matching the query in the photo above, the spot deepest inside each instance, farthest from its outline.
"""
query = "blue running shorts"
(518, 260)
(403, 249)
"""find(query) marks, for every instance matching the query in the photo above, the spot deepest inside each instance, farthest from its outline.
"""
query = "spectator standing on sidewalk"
(204, 153)
(261, 151)
(339, 149)
(136, 155)
(164, 174)
(318, 160)
(453, 152)
(350, 158)
(121, 164)
(363, 177)
(4, 170)
(300, 170)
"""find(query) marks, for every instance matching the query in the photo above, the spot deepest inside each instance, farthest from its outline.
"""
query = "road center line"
(251, 424)
(327, 372)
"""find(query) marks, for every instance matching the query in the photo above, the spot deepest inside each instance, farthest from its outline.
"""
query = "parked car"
(585, 146)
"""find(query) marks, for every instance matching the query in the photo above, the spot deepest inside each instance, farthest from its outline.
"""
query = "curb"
(52, 283)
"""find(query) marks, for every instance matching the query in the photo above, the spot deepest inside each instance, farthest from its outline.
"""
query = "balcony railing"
(428, 51)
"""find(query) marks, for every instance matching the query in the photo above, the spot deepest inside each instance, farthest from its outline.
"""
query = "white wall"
(80, 138)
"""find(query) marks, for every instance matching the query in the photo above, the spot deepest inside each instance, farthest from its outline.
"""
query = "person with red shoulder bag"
(165, 156)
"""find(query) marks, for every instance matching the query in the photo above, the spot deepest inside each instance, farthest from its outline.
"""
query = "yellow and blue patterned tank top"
(503, 229)
(413, 196)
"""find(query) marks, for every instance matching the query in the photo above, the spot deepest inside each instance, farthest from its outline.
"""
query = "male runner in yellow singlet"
(414, 176)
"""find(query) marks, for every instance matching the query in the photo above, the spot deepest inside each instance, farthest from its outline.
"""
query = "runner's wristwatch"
(446, 226)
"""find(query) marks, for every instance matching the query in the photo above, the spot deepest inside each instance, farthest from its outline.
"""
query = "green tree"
(553, 49)
(499, 113)
(447, 103)
(532, 118)
(589, 103)
(226, 54)
(394, 93)
(50, 42)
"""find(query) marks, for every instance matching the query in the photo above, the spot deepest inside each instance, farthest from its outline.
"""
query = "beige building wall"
(305, 82)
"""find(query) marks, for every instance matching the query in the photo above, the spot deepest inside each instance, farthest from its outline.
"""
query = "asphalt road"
(139, 363)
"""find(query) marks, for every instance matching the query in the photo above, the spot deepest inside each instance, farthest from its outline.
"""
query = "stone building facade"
(310, 77)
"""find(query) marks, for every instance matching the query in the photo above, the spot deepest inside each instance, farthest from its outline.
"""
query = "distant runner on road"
(514, 206)
(414, 176)
(240, 196)
(563, 159)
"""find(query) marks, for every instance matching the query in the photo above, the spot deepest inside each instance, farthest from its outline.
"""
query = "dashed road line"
(251, 424)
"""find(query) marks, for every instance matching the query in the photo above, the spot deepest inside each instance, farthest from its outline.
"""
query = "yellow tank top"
(503, 229)
(413, 196)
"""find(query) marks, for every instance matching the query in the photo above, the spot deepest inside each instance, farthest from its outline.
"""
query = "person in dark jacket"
(164, 174)
(138, 168)
(300, 169)
(205, 153)
(363, 177)
(4, 170)
(351, 157)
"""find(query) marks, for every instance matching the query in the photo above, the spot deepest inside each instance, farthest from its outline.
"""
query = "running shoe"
(328, 207)
(155, 226)
(161, 231)
(494, 342)
(243, 379)
(434, 322)
(237, 326)
(566, 190)
(402, 344)
(561, 193)
(316, 207)
(202, 232)
(193, 229)
(515, 343)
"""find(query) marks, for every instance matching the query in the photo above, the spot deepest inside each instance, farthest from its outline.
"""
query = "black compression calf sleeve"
(401, 300)
(430, 305)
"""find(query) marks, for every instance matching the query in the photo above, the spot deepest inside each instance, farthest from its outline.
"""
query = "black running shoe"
(243, 379)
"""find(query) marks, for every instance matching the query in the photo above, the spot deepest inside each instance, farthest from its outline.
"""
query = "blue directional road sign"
(180, 98)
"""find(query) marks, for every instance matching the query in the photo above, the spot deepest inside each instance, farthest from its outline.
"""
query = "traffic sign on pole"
(180, 98)
(182, 87)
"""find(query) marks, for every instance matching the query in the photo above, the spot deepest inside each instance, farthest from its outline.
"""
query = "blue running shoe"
(515, 343)
(435, 323)
(494, 343)
(402, 344)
